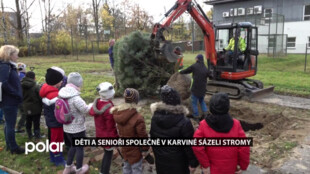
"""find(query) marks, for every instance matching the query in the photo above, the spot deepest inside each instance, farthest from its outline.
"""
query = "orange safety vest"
(181, 63)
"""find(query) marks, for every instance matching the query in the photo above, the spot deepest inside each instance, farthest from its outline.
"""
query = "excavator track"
(234, 90)
(256, 83)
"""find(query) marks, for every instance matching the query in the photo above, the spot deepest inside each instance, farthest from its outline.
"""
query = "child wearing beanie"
(220, 124)
(104, 121)
(169, 121)
(49, 92)
(130, 124)
(77, 128)
(32, 104)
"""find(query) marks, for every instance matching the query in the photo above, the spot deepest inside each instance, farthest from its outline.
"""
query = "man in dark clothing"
(111, 44)
(32, 104)
(169, 121)
(199, 86)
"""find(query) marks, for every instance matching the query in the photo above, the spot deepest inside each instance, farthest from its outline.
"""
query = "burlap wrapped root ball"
(181, 83)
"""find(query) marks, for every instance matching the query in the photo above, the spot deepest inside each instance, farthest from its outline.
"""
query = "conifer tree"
(137, 66)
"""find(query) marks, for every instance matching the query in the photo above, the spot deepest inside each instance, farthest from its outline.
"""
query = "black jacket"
(169, 121)
(32, 103)
(11, 87)
(200, 75)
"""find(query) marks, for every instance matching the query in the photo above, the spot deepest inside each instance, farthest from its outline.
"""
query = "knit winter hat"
(219, 104)
(31, 74)
(131, 95)
(59, 70)
(199, 57)
(170, 96)
(106, 90)
(54, 75)
(21, 67)
(76, 79)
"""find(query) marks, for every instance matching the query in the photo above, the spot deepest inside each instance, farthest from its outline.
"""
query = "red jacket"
(104, 122)
(221, 159)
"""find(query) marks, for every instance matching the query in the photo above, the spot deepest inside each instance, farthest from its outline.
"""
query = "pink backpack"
(62, 111)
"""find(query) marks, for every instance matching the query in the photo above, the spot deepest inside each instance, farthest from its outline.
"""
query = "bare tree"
(96, 4)
(26, 16)
(4, 26)
(19, 24)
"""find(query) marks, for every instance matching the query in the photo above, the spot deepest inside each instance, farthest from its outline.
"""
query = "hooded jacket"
(221, 159)
(169, 121)
(104, 121)
(130, 124)
(32, 103)
(78, 108)
(49, 92)
(11, 87)
(200, 75)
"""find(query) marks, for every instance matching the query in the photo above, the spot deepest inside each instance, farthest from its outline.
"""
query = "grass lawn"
(286, 74)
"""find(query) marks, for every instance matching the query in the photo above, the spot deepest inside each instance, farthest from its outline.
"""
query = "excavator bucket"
(168, 52)
(260, 93)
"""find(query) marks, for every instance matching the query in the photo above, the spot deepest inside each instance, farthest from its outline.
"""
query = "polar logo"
(41, 147)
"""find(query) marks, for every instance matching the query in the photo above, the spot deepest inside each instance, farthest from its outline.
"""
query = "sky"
(156, 8)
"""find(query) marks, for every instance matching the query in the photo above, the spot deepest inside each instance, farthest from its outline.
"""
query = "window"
(309, 41)
(271, 41)
(291, 42)
(222, 39)
(307, 13)
(268, 13)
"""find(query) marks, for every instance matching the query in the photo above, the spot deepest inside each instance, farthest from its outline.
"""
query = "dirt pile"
(283, 129)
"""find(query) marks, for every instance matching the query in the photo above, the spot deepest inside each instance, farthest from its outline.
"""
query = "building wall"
(300, 30)
(293, 10)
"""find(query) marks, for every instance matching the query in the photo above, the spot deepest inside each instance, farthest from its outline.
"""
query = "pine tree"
(137, 66)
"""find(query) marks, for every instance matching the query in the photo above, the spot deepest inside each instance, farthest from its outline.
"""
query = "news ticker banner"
(163, 141)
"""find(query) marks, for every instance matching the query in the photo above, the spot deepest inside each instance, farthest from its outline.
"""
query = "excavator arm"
(201, 19)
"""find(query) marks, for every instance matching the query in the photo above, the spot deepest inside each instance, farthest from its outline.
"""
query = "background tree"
(139, 19)
(95, 5)
(107, 18)
(4, 24)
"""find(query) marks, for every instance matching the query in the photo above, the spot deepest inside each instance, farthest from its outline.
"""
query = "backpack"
(62, 111)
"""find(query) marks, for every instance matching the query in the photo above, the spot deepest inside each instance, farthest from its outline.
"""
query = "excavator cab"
(236, 46)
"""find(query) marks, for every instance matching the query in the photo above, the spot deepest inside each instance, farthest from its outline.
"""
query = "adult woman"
(11, 94)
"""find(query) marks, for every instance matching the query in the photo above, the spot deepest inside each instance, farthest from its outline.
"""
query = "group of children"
(129, 122)
(125, 121)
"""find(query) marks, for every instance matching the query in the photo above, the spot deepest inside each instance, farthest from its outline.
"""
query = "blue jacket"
(22, 75)
(111, 56)
(11, 88)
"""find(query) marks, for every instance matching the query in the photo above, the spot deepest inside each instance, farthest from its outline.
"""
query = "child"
(130, 124)
(49, 91)
(21, 68)
(220, 124)
(169, 121)
(77, 128)
(105, 124)
(32, 104)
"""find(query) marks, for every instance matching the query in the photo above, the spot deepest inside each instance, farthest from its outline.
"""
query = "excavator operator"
(229, 50)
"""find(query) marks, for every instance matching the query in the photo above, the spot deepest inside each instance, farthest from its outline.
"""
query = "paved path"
(294, 102)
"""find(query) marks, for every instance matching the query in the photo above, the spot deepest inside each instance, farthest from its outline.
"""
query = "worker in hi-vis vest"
(231, 47)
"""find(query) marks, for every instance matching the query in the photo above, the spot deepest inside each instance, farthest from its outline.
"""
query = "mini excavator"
(231, 77)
